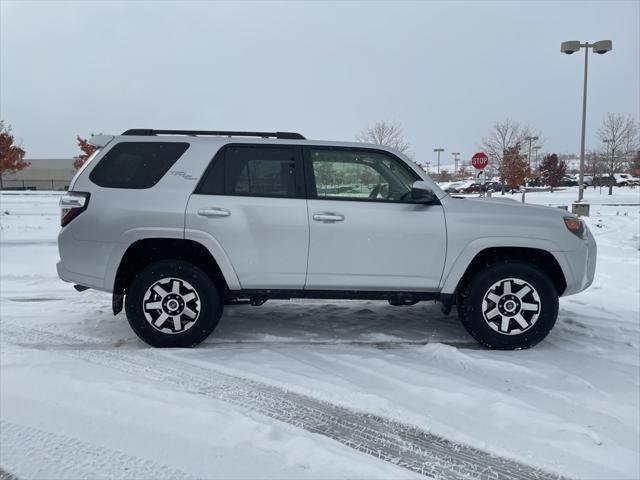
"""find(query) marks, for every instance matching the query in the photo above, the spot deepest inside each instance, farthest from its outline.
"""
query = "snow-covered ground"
(276, 390)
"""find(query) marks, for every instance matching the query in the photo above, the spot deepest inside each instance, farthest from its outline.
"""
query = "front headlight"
(576, 226)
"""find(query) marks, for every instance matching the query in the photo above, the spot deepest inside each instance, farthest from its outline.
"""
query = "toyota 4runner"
(178, 223)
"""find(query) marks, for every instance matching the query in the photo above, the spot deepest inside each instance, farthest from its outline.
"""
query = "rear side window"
(258, 171)
(136, 164)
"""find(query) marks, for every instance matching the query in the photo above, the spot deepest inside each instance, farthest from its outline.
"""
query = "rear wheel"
(172, 303)
(508, 306)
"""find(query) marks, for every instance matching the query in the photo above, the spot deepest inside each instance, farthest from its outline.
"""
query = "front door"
(252, 202)
(365, 232)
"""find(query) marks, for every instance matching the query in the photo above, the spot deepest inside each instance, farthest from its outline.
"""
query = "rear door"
(366, 233)
(251, 200)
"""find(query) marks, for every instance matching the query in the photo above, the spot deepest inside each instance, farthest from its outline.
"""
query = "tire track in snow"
(68, 457)
(403, 445)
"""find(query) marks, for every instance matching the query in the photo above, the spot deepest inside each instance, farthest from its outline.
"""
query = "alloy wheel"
(171, 305)
(511, 306)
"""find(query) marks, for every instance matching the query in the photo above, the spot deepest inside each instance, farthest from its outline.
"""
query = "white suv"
(178, 223)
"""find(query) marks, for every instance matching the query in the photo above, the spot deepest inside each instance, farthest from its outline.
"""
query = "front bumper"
(579, 266)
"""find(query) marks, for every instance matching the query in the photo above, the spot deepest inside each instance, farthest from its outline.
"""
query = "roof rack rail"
(144, 132)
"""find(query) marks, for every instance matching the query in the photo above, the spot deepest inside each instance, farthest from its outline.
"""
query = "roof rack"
(222, 133)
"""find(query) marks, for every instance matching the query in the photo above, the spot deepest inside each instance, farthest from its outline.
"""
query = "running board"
(397, 297)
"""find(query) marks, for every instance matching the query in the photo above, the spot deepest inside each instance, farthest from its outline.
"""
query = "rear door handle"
(328, 217)
(214, 212)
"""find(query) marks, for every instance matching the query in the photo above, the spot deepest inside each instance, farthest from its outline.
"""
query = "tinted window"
(361, 175)
(136, 164)
(254, 171)
(213, 181)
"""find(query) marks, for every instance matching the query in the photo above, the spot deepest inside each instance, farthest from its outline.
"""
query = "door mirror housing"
(422, 193)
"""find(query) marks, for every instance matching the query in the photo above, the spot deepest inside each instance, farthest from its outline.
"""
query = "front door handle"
(328, 217)
(214, 212)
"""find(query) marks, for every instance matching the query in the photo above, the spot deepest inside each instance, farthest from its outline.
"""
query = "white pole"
(584, 124)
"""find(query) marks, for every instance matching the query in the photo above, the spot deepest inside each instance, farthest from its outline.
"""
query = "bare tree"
(620, 134)
(385, 133)
(508, 135)
(445, 176)
(594, 165)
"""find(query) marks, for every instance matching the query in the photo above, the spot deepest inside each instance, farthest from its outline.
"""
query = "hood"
(502, 205)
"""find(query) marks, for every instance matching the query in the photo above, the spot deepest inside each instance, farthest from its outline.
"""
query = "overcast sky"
(446, 71)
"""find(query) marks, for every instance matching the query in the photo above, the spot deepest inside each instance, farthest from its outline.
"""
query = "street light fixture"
(439, 150)
(601, 47)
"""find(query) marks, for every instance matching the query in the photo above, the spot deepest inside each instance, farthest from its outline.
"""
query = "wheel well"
(540, 258)
(144, 252)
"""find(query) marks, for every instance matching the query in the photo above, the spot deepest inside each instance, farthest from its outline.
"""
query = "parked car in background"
(535, 182)
(493, 186)
(586, 179)
(603, 181)
(457, 186)
(473, 188)
(626, 179)
(568, 181)
(619, 180)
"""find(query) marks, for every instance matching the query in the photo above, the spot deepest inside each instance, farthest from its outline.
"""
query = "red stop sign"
(480, 160)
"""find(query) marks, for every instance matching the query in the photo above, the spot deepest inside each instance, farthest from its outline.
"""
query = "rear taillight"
(72, 204)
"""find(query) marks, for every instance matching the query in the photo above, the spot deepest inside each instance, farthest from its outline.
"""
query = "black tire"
(185, 332)
(498, 278)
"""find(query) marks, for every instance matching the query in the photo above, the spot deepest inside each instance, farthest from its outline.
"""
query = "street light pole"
(438, 150)
(531, 140)
(584, 126)
(536, 148)
(455, 163)
(601, 47)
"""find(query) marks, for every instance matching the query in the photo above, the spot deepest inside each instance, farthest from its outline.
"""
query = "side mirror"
(421, 193)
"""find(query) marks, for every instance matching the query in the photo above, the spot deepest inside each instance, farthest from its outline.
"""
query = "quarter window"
(360, 175)
(136, 164)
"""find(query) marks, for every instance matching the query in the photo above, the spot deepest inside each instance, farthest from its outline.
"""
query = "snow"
(81, 396)
(594, 196)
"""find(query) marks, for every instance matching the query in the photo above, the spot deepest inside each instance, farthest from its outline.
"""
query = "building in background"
(41, 174)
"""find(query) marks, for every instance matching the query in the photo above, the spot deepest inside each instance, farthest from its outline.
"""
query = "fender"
(131, 236)
(127, 239)
(455, 268)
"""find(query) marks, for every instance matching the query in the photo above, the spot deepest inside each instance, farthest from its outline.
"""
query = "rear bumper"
(79, 279)
(81, 262)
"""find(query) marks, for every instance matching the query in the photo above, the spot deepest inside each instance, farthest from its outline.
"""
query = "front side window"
(136, 164)
(254, 171)
(360, 175)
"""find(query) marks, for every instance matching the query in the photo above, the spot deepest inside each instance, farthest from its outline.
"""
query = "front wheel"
(509, 306)
(173, 303)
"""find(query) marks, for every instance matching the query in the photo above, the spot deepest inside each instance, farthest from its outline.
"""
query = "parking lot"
(76, 377)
